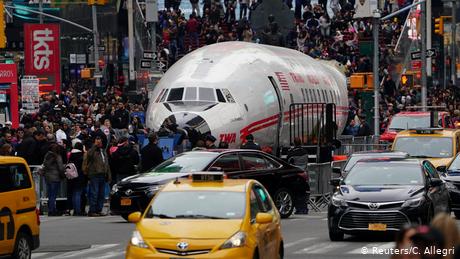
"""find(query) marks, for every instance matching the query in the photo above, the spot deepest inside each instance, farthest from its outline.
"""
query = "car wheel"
(22, 247)
(125, 216)
(457, 214)
(284, 201)
(335, 234)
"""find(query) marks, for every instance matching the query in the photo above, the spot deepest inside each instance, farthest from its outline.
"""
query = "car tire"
(22, 246)
(335, 234)
(125, 216)
(457, 214)
(284, 201)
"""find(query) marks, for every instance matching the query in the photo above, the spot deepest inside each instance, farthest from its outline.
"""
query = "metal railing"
(351, 144)
(40, 188)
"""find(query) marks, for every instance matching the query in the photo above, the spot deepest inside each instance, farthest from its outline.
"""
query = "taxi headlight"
(114, 189)
(237, 240)
(338, 202)
(413, 202)
(137, 240)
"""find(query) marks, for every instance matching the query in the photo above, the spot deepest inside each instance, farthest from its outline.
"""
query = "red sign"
(416, 65)
(42, 55)
(8, 74)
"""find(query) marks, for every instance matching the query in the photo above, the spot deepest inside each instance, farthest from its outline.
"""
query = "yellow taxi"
(19, 217)
(208, 217)
(437, 145)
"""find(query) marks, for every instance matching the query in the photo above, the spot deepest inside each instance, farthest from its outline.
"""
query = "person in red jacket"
(192, 30)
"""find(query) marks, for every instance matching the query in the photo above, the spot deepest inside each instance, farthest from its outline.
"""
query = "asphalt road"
(106, 237)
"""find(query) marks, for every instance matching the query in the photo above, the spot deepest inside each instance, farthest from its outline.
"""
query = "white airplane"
(233, 89)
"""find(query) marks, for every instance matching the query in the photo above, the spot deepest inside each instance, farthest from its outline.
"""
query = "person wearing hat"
(364, 129)
(250, 144)
(124, 160)
(96, 167)
(151, 154)
(209, 141)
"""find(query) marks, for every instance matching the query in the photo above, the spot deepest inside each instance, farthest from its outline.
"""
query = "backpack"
(71, 171)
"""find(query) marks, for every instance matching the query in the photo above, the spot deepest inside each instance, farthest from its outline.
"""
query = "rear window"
(380, 173)
(14, 177)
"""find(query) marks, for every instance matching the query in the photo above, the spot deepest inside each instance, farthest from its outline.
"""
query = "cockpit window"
(176, 94)
(190, 94)
(228, 96)
(207, 94)
(220, 96)
(164, 95)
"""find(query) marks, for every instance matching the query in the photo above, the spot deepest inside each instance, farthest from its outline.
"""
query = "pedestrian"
(223, 145)
(151, 154)
(53, 170)
(364, 128)
(96, 167)
(30, 148)
(77, 184)
(125, 160)
(445, 224)
(250, 144)
(209, 141)
(6, 150)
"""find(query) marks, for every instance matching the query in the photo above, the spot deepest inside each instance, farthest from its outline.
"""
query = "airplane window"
(176, 94)
(207, 94)
(311, 95)
(332, 96)
(190, 94)
(228, 96)
(319, 95)
(220, 96)
(159, 95)
(164, 95)
(303, 94)
(324, 96)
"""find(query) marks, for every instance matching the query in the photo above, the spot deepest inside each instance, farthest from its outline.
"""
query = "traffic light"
(407, 80)
(97, 2)
(439, 26)
(2, 26)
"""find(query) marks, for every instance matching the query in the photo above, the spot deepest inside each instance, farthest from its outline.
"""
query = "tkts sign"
(42, 56)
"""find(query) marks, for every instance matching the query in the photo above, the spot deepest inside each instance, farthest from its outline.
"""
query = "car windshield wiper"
(397, 129)
(421, 156)
(196, 216)
(162, 216)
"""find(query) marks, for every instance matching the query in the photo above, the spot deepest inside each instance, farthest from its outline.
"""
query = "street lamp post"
(375, 30)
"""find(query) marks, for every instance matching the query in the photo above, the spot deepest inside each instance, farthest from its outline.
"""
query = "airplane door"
(280, 114)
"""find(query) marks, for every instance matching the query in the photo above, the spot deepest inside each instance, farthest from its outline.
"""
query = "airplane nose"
(191, 122)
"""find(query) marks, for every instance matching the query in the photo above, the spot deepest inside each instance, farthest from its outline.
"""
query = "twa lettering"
(228, 137)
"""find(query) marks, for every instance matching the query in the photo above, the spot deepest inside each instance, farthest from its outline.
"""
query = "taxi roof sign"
(208, 177)
(426, 130)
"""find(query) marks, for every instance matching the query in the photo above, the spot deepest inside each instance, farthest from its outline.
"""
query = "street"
(305, 236)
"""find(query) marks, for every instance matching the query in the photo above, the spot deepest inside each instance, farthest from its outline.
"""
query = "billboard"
(42, 54)
(30, 94)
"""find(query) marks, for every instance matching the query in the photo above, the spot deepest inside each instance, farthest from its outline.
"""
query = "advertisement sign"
(30, 94)
(42, 54)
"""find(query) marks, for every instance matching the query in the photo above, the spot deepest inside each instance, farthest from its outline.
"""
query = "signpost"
(145, 63)
(150, 55)
(417, 55)
(30, 94)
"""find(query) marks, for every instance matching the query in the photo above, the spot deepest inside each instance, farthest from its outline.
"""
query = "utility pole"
(40, 9)
(423, 53)
(151, 16)
(96, 46)
(453, 61)
(375, 32)
(132, 74)
(429, 68)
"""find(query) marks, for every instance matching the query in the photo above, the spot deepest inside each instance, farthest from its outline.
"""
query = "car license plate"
(377, 227)
(125, 202)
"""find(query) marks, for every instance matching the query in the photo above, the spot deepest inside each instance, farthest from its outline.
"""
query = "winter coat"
(125, 159)
(96, 163)
(76, 157)
(151, 156)
(53, 167)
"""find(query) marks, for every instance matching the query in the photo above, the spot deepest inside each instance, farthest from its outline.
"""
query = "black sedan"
(287, 184)
(384, 195)
(451, 176)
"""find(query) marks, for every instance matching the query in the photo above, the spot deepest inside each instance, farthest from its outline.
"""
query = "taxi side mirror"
(264, 218)
(442, 169)
(134, 217)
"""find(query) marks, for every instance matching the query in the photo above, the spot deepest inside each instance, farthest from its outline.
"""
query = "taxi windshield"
(185, 163)
(406, 122)
(378, 173)
(425, 147)
(198, 205)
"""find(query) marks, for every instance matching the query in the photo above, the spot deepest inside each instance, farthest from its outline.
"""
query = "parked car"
(383, 195)
(287, 184)
(451, 175)
(355, 157)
